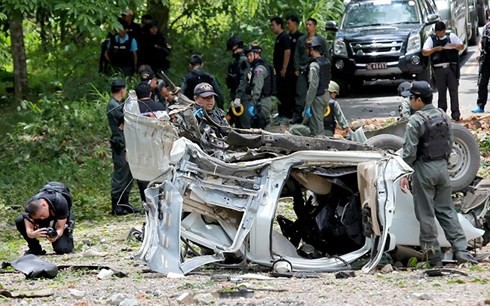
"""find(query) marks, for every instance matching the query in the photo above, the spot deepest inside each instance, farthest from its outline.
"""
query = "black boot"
(118, 210)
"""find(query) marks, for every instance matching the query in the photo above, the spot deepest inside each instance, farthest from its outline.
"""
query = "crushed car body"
(222, 195)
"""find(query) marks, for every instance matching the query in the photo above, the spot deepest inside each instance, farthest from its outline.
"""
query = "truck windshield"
(379, 13)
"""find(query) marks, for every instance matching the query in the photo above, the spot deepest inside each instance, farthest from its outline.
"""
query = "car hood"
(378, 33)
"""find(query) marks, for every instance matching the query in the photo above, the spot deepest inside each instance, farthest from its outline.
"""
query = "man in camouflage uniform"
(300, 62)
(260, 88)
(428, 144)
(317, 95)
(331, 117)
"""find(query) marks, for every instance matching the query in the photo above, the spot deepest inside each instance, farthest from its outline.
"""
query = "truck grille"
(378, 48)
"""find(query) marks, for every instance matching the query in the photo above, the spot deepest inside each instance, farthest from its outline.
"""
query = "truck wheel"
(464, 161)
(474, 35)
(344, 87)
(386, 142)
(482, 18)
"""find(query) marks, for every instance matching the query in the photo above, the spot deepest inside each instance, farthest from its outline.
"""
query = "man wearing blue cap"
(428, 144)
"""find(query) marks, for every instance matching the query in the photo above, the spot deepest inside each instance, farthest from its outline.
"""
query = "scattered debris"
(235, 293)
(443, 272)
(34, 267)
(185, 298)
(422, 296)
(345, 274)
(104, 273)
(204, 298)
(387, 269)
(30, 294)
(95, 253)
(118, 298)
(76, 293)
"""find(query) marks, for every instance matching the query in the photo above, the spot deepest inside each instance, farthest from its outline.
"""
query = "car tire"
(464, 161)
(386, 142)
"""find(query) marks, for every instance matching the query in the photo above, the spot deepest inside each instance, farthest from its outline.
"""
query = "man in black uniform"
(155, 49)
(236, 80)
(428, 144)
(197, 75)
(484, 72)
(444, 52)
(292, 23)
(47, 215)
(281, 59)
(122, 180)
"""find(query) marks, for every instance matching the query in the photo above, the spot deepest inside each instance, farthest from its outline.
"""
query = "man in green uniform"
(300, 63)
(428, 144)
(317, 95)
(260, 88)
(122, 180)
(332, 116)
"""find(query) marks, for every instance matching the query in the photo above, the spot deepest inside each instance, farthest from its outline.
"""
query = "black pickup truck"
(381, 39)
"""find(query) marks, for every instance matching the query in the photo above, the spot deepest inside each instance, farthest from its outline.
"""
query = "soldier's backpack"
(60, 190)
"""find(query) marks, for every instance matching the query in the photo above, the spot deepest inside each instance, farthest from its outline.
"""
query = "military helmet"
(333, 87)
(234, 41)
(312, 42)
(253, 48)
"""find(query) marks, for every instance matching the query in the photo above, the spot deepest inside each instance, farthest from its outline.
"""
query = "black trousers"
(62, 245)
(446, 80)
(483, 77)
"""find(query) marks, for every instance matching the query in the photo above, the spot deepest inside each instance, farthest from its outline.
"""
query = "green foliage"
(58, 140)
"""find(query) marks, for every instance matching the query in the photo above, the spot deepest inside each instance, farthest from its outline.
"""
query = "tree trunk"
(160, 12)
(18, 55)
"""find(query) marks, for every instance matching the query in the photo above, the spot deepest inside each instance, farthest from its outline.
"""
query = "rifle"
(174, 89)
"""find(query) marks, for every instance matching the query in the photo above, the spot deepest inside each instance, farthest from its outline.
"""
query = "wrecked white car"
(223, 195)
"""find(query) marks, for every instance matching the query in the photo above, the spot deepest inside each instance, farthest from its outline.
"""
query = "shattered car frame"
(223, 196)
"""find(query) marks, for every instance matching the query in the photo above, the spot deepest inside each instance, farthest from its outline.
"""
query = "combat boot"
(465, 256)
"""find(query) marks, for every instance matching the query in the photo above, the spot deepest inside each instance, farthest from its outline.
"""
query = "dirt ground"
(108, 246)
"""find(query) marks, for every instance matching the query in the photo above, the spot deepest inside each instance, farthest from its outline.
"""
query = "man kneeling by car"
(47, 215)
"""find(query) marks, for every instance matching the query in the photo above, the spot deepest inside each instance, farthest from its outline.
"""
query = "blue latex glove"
(199, 113)
(251, 110)
(307, 112)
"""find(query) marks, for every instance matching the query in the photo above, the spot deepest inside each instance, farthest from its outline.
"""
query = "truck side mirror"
(432, 18)
(331, 26)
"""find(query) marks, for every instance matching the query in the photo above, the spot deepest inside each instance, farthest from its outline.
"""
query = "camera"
(51, 232)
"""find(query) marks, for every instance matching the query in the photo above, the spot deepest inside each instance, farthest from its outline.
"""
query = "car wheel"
(464, 161)
(386, 142)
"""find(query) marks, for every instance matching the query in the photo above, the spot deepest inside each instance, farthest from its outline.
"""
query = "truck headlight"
(340, 48)
(414, 43)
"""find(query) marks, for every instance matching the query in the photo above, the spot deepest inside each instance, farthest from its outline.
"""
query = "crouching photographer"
(47, 215)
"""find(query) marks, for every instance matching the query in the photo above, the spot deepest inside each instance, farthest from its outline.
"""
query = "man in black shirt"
(292, 24)
(281, 58)
(47, 215)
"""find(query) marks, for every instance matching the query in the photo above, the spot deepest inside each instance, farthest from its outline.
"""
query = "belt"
(442, 65)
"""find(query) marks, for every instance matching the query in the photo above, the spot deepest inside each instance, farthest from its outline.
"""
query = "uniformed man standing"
(292, 24)
(484, 72)
(236, 80)
(428, 144)
(317, 95)
(197, 75)
(300, 62)
(260, 87)
(444, 52)
(121, 51)
(122, 180)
